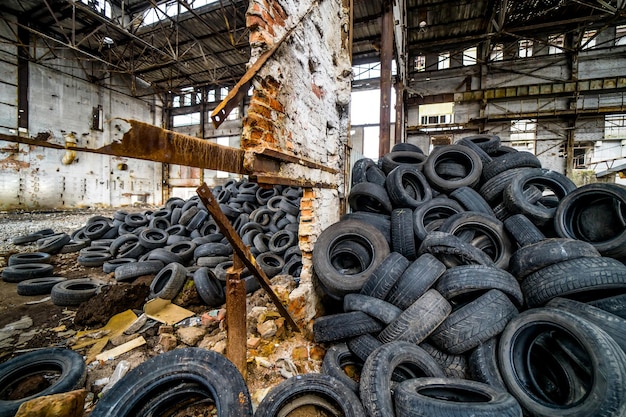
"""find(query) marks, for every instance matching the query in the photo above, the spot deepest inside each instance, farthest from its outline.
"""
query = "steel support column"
(386, 57)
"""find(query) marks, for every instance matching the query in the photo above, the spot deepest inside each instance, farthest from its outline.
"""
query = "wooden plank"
(242, 251)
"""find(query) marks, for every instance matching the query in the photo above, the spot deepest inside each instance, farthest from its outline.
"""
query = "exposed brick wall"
(300, 105)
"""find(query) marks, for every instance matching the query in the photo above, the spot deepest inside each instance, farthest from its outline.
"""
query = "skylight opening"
(169, 9)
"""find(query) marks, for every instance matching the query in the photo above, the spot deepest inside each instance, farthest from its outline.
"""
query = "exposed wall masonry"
(300, 106)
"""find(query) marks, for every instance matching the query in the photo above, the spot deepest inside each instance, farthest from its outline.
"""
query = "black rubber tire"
(66, 367)
(384, 277)
(405, 146)
(24, 239)
(471, 200)
(184, 249)
(484, 156)
(584, 279)
(382, 222)
(316, 391)
(93, 259)
(381, 310)
(606, 394)
(38, 286)
(362, 346)
(418, 320)
(375, 388)
(271, 263)
(164, 255)
(136, 219)
(455, 153)
(615, 305)
(474, 323)
(439, 397)
(335, 362)
(369, 197)
(465, 280)
(168, 282)
(342, 326)
(97, 228)
(22, 272)
(111, 265)
(522, 230)
(324, 264)
(595, 213)
(212, 249)
(510, 161)
(122, 243)
(517, 202)
(217, 377)
(483, 364)
(402, 236)
(407, 187)
(29, 258)
(392, 160)
(613, 325)
(130, 271)
(452, 251)
(281, 241)
(153, 238)
(492, 189)
(209, 288)
(416, 279)
(74, 291)
(188, 214)
(532, 258)
(54, 243)
(485, 141)
(483, 232)
(454, 366)
(429, 216)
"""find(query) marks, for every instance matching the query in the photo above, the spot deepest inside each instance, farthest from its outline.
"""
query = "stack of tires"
(181, 241)
(474, 282)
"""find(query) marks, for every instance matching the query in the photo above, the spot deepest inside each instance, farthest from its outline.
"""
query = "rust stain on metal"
(11, 162)
(242, 251)
(145, 141)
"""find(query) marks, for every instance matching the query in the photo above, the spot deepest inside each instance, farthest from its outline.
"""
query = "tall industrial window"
(371, 70)
(497, 52)
(469, 56)
(211, 96)
(420, 63)
(444, 61)
(589, 39)
(525, 48)
(524, 134)
(620, 35)
(224, 141)
(436, 114)
(556, 44)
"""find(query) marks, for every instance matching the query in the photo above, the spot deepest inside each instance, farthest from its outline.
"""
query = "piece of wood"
(241, 250)
(121, 349)
(236, 315)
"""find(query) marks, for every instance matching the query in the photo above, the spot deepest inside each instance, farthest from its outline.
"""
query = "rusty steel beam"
(386, 57)
(242, 251)
(146, 141)
(236, 314)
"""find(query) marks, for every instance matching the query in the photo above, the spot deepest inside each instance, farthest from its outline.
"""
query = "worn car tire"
(29, 258)
(449, 397)
(130, 271)
(335, 362)
(416, 279)
(22, 272)
(314, 391)
(342, 326)
(217, 377)
(38, 286)
(168, 281)
(66, 365)
(75, 291)
(456, 153)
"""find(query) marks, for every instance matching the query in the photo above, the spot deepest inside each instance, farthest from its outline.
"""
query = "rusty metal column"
(386, 56)
(399, 127)
(236, 316)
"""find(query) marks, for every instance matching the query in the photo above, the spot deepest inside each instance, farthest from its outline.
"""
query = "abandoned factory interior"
(315, 208)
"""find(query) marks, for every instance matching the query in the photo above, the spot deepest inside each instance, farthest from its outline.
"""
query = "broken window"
(620, 35)
(497, 52)
(469, 56)
(525, 48)
(211, 96)
(420, 63)
(589, 39)
(615, 126)
(556, 44)
(444, 61)
(524, 134)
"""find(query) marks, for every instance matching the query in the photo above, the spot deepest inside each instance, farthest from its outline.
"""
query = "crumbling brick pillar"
(300, 105)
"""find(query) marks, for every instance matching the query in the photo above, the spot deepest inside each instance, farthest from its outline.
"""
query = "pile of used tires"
(473, 282)
(176, 242)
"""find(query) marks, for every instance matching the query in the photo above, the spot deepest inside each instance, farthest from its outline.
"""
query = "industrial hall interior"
(315, 208)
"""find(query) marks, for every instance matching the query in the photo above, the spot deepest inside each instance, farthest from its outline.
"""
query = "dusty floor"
(274, 359)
